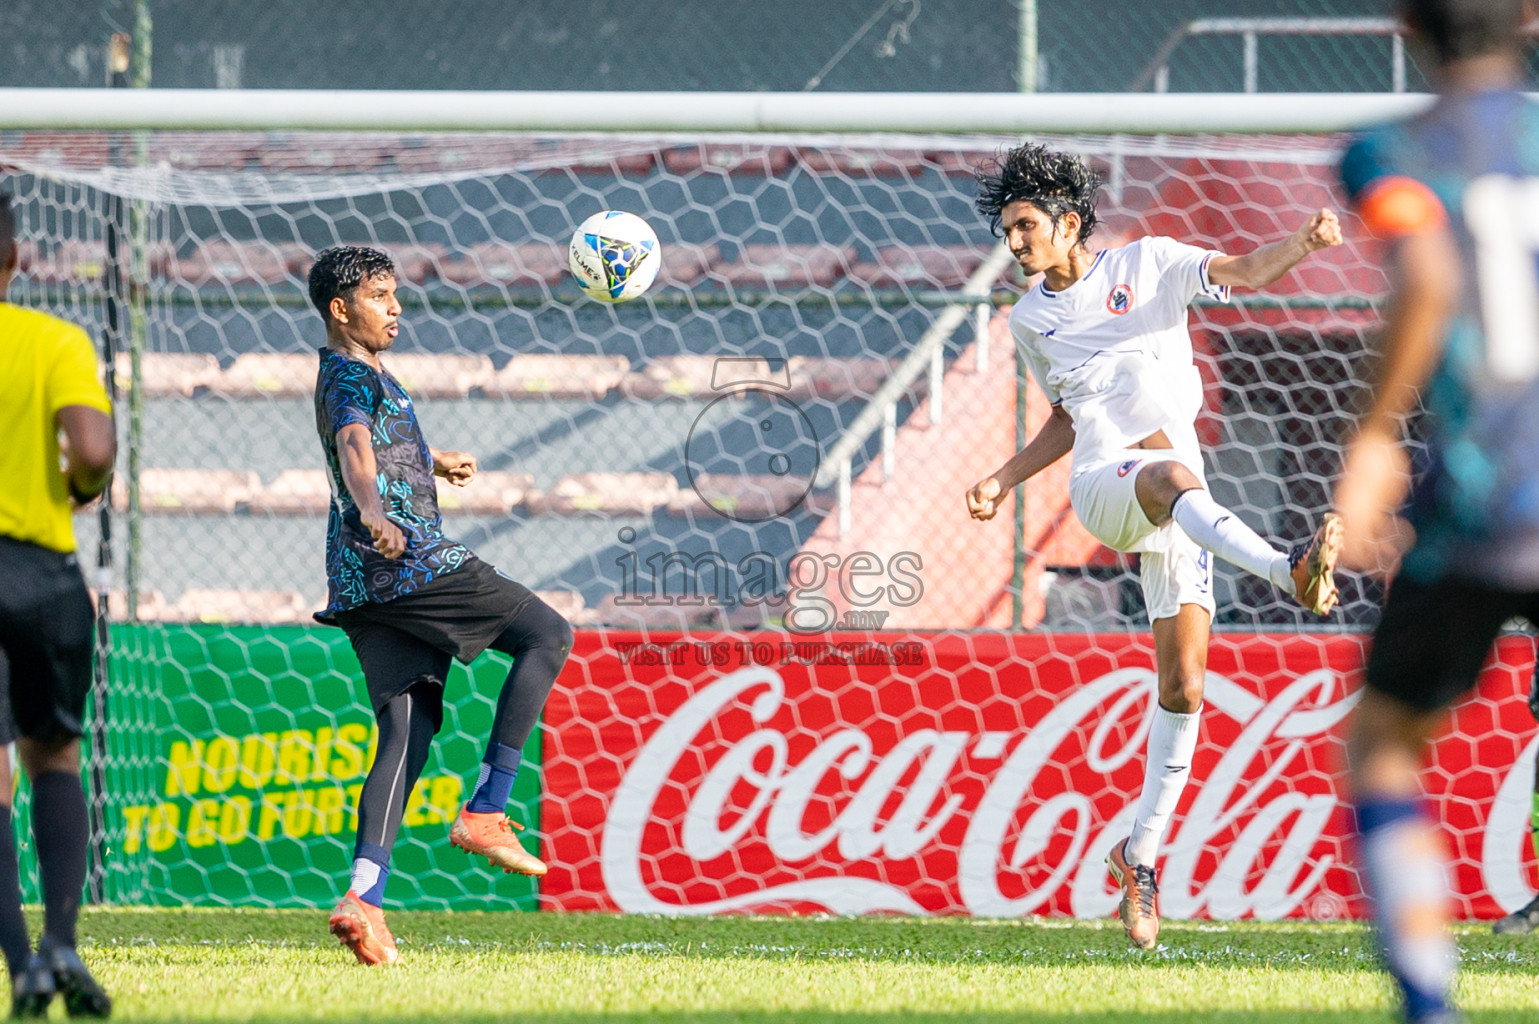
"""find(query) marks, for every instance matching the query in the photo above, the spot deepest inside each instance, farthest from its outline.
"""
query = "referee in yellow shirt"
(48, 387)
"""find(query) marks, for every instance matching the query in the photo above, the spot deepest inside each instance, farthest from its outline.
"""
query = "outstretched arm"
(1260, 267)
(1424, 273)
(459, 468)
(1053, 442)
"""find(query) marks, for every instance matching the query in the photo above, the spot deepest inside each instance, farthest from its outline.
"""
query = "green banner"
(235, 757)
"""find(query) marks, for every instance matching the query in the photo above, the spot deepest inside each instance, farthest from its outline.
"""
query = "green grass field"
(261, 965)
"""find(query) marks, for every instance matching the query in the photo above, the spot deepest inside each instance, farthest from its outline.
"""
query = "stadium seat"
(190, 491)
(168, 374)
(492, 492)
(701, 376)
(222, 262)
(294, 492)
(863, 163)
(89, 150)
(438, 375)
(936, 266)
(302, 154)
(557, 376)
(270, 374)
(152, 605)
(255, 606)
(500, 263)
(72, 262)
(766, 265)
(840, 379)
(741, 495)
(684, 263)
(620, 494)
(203, 151)
(766, 161)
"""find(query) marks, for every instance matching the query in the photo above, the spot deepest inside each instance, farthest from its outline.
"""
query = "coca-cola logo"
(893, 804)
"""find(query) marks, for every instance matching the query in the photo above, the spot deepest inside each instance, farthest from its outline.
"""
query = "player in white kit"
(1105, 335)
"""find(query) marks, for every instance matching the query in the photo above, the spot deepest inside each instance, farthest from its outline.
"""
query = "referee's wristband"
(78, 497)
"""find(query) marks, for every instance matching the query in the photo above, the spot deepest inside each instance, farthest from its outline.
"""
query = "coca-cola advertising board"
(989, 774)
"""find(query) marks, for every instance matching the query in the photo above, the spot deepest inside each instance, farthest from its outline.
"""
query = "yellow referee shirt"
(45, 364)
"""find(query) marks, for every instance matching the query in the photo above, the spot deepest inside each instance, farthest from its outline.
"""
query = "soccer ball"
(614, 256)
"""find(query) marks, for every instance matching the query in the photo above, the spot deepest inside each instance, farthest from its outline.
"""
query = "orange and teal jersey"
(1470, 166)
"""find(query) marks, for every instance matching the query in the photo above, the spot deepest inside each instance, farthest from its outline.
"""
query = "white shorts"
(1172, 568)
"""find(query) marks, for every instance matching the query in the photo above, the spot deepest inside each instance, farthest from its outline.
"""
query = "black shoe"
(32, 990)
(83, 997)
(1519, 922)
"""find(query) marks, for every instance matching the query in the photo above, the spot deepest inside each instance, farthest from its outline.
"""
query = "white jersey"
(1114, 350)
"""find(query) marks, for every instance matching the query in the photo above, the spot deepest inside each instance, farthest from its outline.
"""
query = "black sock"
(13, 927)
(62, 832)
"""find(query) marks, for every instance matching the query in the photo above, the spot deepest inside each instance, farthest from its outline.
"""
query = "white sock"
(1216, 529)
(1172, 741)
(365, 874)
(1407, 879)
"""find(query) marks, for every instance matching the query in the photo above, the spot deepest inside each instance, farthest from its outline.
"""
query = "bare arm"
(92, 449)
(1424, 271)
(459, 468)
(1262, 266)
(1053, 442)
(356, 455)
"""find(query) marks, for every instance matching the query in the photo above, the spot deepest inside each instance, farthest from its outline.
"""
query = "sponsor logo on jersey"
(1127, 467)
(1120, 299)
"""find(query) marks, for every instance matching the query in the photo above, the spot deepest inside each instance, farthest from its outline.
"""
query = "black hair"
(1055, 183)
(7, 231)
(1458, 29)
(339, 271)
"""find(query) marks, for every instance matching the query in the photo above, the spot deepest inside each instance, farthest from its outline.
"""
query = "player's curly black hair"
(1055, 183)
(338, 271)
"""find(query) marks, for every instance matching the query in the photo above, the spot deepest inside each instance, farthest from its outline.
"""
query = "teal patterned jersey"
(1475, 500)
(348, 391)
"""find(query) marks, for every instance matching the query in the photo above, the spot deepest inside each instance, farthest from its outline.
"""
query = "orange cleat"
(491, 836)
(361, 928)
(1140, 919)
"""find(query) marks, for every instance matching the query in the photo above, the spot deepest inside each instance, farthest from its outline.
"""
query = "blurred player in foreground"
(48, 384)
(1105, 334)
(409, 599)
(1455, 191)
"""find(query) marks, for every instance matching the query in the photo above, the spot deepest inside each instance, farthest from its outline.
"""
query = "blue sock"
(371, 869)
(1404, 874)
(498, 770)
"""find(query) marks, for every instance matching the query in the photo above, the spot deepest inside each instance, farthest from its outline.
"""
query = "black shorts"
(47, 632)
(414, 637)
(1434, 638)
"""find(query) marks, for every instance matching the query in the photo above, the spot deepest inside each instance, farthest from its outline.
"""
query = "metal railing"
(927, 355)
(1157, 71)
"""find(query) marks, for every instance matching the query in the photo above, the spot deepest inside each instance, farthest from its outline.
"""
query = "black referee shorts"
(414, 638)
(1434, 638)
(47, 634)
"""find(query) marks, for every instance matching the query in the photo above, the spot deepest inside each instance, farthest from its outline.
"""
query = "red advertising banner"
(989, 774)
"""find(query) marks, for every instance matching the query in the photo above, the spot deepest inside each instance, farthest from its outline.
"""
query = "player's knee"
(1181, 690)
(555, 632)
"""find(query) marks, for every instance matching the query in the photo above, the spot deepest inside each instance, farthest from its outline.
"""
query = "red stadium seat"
(500, 263)
(557, 376)
(167, 374)
(699, 376)
(934, 266)
(72, 262)
(294, 492)
(189, 491)
(206, 151)
(762, 265)
(750, 159)
(270, 374)
(840, 379)
(684, 263)
(893, 163)
(492, 492)
(741, 495)
(434, 375)
(610, 493)
(221, 262)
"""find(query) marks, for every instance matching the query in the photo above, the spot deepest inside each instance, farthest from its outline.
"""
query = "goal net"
(804, 679)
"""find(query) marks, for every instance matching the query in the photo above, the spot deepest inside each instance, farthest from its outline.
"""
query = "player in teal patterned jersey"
(1455, 194)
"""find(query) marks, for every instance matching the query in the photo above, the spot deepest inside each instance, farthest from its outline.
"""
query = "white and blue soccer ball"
(614, 256)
